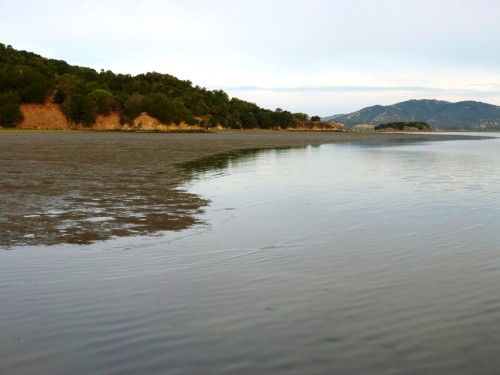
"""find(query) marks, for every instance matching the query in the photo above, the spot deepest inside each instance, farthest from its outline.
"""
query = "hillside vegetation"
(404, 126)
(83, 94)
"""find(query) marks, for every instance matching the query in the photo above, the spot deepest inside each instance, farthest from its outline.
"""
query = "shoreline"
(78, 187)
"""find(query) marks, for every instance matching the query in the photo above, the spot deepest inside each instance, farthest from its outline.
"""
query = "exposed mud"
(79, 187)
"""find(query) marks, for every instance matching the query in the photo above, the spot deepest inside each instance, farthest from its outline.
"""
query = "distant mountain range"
(470, 115)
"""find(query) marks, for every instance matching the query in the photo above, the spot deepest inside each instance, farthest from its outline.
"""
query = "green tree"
(80, 109)
(31, 85)
(104, 100)
(158, 106)
(134, 105)
(234, 123)
(214, 121)
(180, 113)
(301, 116)
(264, 119)
(10, 114)
(315, 118)
(67, 86)
(283, 119)
(248, 120)
(61, 67)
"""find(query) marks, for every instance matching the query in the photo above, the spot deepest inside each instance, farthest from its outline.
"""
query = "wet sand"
(80, 187)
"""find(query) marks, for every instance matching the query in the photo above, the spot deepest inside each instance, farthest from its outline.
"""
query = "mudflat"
(80, 187)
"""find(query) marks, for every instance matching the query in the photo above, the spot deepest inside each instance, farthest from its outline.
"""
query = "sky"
(314, 56)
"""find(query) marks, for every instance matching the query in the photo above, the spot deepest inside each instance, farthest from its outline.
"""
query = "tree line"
(84, 93)
(400, 125)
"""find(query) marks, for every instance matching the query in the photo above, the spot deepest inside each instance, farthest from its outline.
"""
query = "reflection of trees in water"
(232, 158)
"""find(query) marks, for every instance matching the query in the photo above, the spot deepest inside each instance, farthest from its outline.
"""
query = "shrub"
(10, 113)
(158, 106)
(80, 109)
(132, 108)
(104, 100)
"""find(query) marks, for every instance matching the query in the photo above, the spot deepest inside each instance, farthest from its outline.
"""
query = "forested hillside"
(83, 94)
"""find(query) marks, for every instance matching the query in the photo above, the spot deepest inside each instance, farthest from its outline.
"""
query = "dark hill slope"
(439, 114)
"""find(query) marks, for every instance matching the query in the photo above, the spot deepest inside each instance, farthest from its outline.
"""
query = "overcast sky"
(315, 56)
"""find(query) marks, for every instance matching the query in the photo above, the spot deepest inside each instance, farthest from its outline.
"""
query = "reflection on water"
(231, 159)
(221, 161)
(345, 259)
(234, 158)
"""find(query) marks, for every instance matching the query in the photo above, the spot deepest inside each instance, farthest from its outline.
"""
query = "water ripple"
(346, 259)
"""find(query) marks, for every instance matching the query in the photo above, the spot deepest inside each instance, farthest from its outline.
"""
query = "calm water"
(340, 259)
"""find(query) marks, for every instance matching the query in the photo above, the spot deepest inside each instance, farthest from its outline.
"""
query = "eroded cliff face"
(43, 116)
(317, 126)
(147, 123)
(49, 116)
(109, 122)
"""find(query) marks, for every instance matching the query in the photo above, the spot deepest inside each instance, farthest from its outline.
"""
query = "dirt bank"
(48, 116)
(78, 187)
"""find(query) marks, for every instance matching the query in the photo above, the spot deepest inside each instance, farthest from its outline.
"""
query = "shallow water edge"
(77, 188)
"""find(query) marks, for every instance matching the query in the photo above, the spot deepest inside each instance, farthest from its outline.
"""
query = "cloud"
(327, 100)
(478, 89)
(320, 56)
